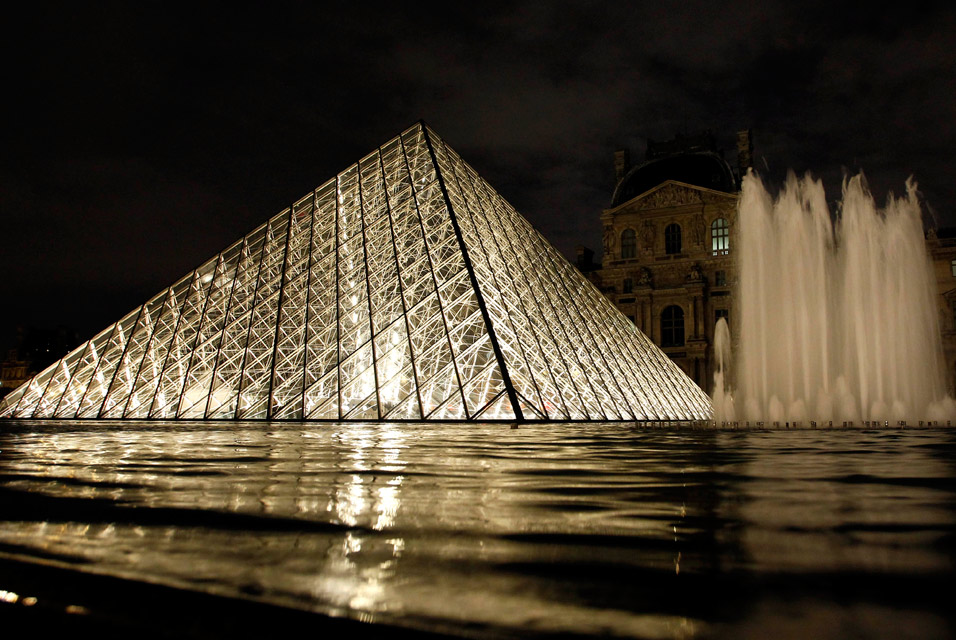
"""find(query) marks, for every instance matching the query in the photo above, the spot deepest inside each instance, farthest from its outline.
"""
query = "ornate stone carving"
(675, 195)
(608, 241)
(670, 195)
(695, 274)
(648, 233)
(699, 229)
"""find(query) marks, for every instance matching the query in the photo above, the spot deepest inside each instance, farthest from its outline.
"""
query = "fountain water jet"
(723, 400)
(837, 320)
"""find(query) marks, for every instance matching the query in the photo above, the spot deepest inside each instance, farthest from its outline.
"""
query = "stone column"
(697, 317)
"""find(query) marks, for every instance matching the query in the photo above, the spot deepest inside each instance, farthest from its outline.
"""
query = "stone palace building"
(669, 239)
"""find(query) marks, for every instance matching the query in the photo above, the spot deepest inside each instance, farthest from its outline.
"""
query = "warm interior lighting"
(404, 288)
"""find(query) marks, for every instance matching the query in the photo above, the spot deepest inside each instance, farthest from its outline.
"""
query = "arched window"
(628, 244)
(672, 238)
(719, 237)
(672, 327)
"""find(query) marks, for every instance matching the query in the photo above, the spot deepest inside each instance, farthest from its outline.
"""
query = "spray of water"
(723, 400)
(837, 320)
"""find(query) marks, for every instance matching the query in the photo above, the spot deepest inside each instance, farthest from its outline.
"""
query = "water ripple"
(575, 529)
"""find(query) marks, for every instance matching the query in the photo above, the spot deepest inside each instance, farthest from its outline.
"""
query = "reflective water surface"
(486, 530)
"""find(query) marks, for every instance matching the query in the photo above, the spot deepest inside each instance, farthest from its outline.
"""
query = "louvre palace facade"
(668, 239)
(941, 244)
(668, 250)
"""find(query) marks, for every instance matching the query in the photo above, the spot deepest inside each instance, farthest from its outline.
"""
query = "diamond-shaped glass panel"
(405, 288)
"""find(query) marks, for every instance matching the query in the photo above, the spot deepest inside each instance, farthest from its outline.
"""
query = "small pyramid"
(405, 288)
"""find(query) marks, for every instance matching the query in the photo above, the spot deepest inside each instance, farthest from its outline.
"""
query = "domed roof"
(703, 169)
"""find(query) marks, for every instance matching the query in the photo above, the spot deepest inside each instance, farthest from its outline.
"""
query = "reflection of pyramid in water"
(398, 290)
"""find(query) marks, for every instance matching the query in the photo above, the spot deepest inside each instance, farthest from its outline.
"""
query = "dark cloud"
(141, 138)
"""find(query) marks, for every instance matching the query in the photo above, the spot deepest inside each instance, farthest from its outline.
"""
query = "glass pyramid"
(405, 288)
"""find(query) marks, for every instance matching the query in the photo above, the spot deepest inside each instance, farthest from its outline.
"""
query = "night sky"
(140, 139)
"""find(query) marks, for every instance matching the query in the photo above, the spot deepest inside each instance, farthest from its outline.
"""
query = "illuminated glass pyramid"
(405, 288)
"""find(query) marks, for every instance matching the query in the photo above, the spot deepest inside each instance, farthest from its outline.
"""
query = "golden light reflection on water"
(555, 528)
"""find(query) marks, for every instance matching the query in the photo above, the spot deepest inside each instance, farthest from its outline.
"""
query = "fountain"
(838, 321)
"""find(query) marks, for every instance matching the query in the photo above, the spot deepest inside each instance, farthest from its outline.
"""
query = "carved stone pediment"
(676, 194)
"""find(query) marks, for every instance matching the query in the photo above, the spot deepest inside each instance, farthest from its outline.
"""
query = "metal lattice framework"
(405, 288)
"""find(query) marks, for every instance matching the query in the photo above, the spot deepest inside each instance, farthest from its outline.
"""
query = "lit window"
(628, 285)
(672, 238)
(719, 237)
(672, 327)
(720, 278)
(628, 244)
